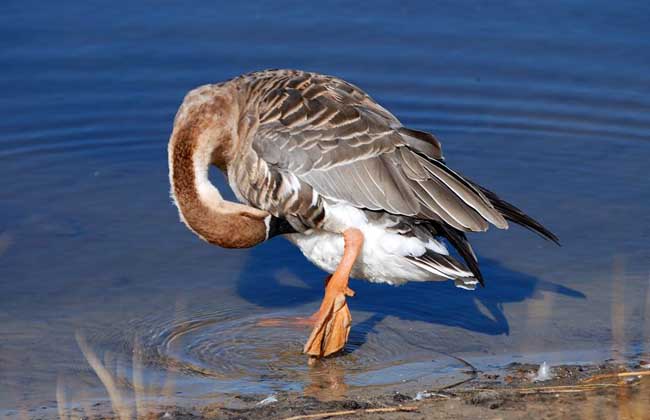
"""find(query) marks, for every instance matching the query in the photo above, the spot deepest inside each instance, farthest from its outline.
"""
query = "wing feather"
(338, 141)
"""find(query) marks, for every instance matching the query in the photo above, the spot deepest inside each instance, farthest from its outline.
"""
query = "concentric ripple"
(246, 351)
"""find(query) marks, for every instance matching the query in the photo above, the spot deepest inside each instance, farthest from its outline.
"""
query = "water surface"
(547, 105)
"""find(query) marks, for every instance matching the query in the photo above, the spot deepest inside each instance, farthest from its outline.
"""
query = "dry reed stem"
(617, 375)
(404, 408)
(118, 403)
(60, 398)
(557, 389)
(138, 379)
(567, 389)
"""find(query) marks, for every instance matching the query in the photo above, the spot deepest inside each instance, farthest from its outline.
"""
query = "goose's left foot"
(333, 319)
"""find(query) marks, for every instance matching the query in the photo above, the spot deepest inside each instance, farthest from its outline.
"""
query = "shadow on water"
(289, 280)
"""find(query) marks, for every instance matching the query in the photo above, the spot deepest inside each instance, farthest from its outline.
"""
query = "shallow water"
(549, 106)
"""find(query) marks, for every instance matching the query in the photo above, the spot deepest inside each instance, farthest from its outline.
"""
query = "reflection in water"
(433, 302)
(120, 405)
(389, 344)
(245, 356)
(394, 342)
(131, 398)
(139, 385)
(326, 381)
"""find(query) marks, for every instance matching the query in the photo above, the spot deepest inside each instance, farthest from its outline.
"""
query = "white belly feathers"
(382, 258)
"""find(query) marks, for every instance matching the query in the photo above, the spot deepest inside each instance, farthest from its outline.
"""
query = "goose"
(316, 160)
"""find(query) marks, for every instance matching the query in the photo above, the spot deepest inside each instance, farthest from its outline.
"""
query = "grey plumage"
(318, 139)
(337, 141)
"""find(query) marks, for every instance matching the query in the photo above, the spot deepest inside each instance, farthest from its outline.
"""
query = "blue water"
(548, 105)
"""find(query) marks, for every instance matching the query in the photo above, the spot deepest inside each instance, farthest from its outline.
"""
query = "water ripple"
(226, 348)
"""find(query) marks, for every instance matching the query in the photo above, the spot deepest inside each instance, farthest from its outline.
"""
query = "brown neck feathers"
(195, 141)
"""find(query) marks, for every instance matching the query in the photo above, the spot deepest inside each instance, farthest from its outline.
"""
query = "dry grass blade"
(560, 389)
(616, 375)
(60, 398)
(138, 378)
(119, 405)
(404, 408)
(566, 389)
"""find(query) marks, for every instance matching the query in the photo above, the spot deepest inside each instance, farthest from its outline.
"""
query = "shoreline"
(604, 390)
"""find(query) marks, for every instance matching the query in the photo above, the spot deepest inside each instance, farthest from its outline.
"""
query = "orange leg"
(333, 319)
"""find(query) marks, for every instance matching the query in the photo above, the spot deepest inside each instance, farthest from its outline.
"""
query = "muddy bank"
(519, 391)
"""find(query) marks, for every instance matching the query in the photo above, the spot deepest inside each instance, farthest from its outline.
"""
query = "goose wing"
(335, 139)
